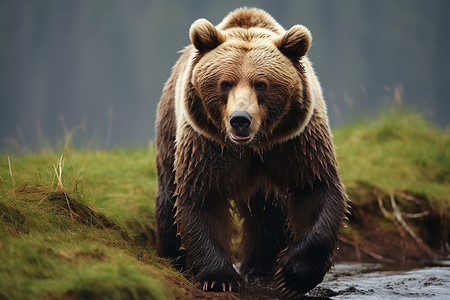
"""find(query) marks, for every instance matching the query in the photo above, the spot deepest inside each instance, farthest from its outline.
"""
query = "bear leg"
(205, 228)
(304, 263)
(264, 235)
(168, 242)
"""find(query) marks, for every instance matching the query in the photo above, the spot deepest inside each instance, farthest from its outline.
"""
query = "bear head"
(247, 85)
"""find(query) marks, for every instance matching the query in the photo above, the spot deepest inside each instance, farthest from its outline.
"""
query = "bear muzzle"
(240, 122)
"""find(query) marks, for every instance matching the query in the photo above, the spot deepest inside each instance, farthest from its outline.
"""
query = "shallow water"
(376, 281)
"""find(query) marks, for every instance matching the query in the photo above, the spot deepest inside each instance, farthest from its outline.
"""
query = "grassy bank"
(81, 224)
(81, 227)
(397, 172)
(398, 151)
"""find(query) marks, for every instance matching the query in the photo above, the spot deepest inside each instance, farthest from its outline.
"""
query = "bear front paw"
(220, 282)
(214, 286)
(297, 275)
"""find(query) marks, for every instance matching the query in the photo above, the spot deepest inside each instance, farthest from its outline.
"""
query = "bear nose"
(240, 120)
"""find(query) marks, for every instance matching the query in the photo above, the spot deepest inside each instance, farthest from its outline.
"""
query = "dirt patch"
(251, 291)
(394, 227)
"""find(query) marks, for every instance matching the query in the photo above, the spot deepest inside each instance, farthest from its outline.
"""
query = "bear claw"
(223, 287)
(284, 288)
(292, 284)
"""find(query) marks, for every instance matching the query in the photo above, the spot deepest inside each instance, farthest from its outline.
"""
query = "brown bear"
(242, 121)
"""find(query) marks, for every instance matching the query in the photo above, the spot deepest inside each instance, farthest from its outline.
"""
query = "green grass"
(398, 156)
(87, 230)
(399, 151)
(87, 238)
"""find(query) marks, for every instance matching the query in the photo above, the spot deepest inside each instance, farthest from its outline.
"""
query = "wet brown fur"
(285, 182)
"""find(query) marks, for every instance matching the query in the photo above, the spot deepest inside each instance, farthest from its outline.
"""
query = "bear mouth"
(240, 138)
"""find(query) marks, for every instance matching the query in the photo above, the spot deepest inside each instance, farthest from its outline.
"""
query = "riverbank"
(397, 172)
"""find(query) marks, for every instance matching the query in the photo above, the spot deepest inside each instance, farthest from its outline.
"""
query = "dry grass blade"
(371, 254)
(383, 210)
(58, 171)
(10, 174)
(402, 222)
(59, 176)
(40, 201)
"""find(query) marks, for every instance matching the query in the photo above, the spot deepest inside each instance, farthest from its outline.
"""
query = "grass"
(397, 171)
(399, 151)
(81, 224)
(82, 230)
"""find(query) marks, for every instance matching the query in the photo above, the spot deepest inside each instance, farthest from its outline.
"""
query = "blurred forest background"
(98, 67)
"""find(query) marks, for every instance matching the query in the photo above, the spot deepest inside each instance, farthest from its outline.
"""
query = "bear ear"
(295, 42)
(204, 36)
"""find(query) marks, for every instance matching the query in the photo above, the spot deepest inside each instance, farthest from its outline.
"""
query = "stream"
(377, 281)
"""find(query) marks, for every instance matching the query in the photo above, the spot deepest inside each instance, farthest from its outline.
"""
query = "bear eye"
(260, 86)
(226, 86)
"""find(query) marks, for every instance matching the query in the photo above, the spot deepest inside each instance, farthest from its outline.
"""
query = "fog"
(96, 69)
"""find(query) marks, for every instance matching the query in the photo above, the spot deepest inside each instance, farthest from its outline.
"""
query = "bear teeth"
(240, 138)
